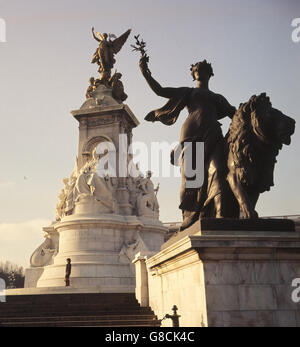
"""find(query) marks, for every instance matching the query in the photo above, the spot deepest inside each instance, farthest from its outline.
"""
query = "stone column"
(141, 273)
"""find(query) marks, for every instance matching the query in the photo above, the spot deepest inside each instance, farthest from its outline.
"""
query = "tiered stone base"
(226, 278)
(100, 252)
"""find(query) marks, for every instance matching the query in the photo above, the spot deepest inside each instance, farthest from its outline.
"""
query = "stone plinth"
(223, 278)
(232, 225)
(101, 249)
(102, 123)
(141, 275)
(103, 219)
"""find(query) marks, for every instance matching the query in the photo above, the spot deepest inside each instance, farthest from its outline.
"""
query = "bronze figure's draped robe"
(201, 125)
(236, 169)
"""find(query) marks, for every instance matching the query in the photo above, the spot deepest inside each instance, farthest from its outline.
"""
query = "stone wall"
(179, 282)
(227, 279)
(251, 293)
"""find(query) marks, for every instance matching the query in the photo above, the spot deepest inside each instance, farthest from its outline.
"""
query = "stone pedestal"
(101, 249)
(141, 275)
(226, 278)
(102, 123)
(99, 225)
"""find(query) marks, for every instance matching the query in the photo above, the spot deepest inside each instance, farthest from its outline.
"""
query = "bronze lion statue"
(256, 134)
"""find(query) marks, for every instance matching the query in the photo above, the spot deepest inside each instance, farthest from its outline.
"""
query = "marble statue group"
(90, 183)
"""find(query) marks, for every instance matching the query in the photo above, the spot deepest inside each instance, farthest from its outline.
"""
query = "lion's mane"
(253, 144)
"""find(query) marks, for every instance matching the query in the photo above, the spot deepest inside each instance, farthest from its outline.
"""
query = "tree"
(12, 274)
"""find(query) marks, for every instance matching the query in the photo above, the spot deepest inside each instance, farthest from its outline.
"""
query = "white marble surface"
(101, 250)
(227, 279)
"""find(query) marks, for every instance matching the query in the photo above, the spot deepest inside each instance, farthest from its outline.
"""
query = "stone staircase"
(70, 310)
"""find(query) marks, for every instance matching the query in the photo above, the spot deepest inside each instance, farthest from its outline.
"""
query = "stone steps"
(53, 313)
(86, 323)
(72, 298)
(101, 309)
(109, 320)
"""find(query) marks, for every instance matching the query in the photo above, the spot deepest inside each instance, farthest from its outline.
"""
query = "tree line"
(12, 274)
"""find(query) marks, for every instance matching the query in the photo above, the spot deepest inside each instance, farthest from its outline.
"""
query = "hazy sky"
(45, 67)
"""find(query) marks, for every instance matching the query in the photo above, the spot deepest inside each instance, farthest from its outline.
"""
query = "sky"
(44, 71)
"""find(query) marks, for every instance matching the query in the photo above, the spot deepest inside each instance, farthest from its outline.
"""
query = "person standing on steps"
(68, 272)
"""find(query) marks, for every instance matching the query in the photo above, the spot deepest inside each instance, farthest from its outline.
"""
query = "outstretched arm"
(154, 85)
(224, 108)
(95, 37)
